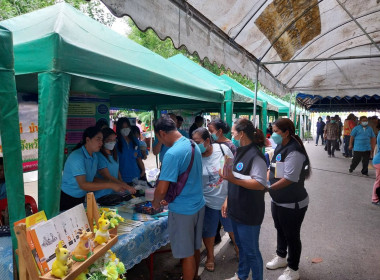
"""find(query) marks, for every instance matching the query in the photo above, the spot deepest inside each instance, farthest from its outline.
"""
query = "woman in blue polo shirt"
(80, 170)
(108, 158)
(131, 165)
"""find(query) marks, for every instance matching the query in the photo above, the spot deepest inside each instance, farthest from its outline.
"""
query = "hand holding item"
(132, 190)
(155, 204)
(118, 187)
(350, 147)
(227, 174)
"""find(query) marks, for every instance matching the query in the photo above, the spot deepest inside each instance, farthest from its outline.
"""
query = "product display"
(62, 262)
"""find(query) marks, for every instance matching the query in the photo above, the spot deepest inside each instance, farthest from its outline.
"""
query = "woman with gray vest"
(289, 168)
(245, 202)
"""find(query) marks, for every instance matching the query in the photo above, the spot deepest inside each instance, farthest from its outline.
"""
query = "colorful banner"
(84, 111)
(28, 116)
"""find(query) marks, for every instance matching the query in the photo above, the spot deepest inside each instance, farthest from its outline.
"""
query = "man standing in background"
(363, 143)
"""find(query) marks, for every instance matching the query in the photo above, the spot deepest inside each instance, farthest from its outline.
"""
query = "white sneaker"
(277, 262)
(289, 274)
(235, 277)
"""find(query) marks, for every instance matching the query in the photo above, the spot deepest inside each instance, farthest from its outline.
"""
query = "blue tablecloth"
(131, 248)
(6, 260)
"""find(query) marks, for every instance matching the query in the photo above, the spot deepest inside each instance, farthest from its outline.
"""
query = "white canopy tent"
(322, 47)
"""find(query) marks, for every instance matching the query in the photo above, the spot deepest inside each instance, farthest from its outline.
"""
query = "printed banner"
(28, 116)
(84, 111)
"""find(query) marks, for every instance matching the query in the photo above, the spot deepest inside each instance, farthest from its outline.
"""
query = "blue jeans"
(247, 240)
(346, 140)
(321, 135)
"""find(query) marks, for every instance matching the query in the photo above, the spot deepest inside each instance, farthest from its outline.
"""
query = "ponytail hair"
(254, 134)
(286, 124)
(89, 132)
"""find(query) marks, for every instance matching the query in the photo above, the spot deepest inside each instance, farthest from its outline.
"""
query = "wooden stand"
(27, 266)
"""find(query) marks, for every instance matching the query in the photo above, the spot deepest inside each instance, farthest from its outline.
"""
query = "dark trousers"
(320, 135)
(331, 146)
(347, 152)
(360, 156)
(67, 201)
(288, 225)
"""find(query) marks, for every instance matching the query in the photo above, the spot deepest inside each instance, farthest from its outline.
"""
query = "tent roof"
(339, 104)
(318, 47)
(262, 96)
(241, 93)
(61, 38)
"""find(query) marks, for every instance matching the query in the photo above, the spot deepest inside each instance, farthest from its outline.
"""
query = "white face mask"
(109, 145)
(125, 131)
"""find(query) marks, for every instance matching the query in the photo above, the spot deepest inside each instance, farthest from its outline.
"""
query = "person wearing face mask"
(245, 201)
(289, 168)
(108, 158)
(218, 128)
(131, 165)
(320, 129)
(142, 145)
(214, 191)
(362, 142)
(331, 136)
(80, 169)
(186, 210)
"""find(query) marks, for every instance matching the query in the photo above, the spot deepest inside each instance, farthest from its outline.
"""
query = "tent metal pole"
(321, 59)
(358, 24)
(290, 106)
(256, 90)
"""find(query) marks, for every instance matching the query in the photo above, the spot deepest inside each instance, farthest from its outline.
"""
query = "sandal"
(210, 266)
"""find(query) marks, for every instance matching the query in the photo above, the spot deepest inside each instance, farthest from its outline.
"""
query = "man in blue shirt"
(187, 209)
(363, 142)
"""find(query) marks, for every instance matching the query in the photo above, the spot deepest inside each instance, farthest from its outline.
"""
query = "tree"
(94, 9)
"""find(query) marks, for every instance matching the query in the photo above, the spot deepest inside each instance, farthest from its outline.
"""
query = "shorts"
(185, 233)
(211, 220)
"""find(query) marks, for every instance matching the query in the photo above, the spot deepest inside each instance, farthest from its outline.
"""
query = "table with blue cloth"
(6, 260)
(144, 240)
(131, 248)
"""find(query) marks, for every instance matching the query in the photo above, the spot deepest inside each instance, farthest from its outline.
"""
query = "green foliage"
(166, 49)
(13, 8)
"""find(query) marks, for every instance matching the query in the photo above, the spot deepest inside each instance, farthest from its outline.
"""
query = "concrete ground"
(341, 226)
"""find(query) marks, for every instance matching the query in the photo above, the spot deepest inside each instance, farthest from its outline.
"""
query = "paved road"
(341, 226)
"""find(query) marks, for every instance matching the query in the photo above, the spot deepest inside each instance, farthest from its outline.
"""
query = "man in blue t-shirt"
(362, 141)
(187, 209)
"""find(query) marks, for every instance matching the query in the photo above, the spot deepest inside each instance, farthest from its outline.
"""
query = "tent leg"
(229, 106)
(53, 98)
(222, 111)
(264, 117)
(10, 133)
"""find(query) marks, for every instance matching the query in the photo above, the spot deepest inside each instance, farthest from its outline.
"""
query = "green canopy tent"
(266, 100)
(58, 50)
(10, 133)
(241, 97)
